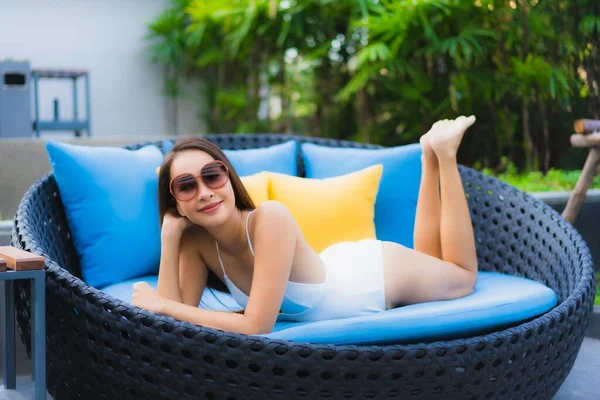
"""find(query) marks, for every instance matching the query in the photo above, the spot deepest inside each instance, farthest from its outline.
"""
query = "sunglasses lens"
(184, 187)
(215, 175)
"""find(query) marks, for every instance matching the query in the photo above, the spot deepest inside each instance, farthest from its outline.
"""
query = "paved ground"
(581, 384)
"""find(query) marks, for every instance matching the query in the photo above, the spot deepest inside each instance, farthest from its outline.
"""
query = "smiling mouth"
(211, 208)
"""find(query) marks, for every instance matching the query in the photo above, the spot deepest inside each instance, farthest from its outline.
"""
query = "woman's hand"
(144, 296)
(175, 224)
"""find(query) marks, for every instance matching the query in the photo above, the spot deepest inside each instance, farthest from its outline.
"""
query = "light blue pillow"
(396, 203)
(167, 146)
(281, 158)
(111, 203)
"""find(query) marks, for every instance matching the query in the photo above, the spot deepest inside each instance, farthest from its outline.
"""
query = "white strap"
(220, 260)
(249, 244)
(248, 233)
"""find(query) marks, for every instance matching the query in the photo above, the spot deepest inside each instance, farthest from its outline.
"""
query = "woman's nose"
(204, 192)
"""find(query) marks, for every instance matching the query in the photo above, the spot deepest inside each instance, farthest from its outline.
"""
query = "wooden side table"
(17, 264)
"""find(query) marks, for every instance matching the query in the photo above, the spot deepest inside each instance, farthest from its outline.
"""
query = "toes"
(469, 121)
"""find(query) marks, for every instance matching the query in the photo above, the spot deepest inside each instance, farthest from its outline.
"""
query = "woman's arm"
(275, 238)
(168, 273)
(171, 233)
(224, 320)
(193, 272)
(274, 245)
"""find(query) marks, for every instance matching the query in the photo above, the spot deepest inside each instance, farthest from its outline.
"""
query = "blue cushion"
(167, 145)
(211, 299)
(281, 158)
(498, 300)
(110, 199)
(396, 203)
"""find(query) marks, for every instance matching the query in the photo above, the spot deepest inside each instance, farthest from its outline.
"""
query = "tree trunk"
(530, 156)
(525, 27)
(323, 96)
(365, 111)
(285, 103)
(509, 134)
(546, 132)
(530, 150)
(494, 127)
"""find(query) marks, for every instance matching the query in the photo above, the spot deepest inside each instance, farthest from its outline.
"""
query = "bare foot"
(445, 136)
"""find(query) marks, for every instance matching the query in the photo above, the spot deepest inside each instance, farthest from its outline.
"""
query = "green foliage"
(597, 301)
(536, 181)
(383, 71)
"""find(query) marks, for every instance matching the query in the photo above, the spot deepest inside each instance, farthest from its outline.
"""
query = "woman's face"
(195, 209)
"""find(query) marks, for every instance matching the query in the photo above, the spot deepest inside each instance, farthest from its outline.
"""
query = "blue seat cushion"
(109, 197)
(396, 202)
(498, 300)
(211, 299)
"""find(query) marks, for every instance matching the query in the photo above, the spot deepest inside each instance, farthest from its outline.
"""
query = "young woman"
(212, 234)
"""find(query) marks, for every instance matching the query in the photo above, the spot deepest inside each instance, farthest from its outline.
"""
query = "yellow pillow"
(256, 185)
(330, 210)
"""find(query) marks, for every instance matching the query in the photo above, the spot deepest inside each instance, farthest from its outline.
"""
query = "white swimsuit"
(353, 285)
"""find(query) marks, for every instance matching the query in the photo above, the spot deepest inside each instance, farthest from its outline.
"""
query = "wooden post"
(591, 140)
(587, 135)
(583, 183)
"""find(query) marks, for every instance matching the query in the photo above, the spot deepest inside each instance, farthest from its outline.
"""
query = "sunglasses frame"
(196, 177)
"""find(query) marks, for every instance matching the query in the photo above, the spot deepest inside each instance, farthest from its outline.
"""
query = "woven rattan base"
(102, 348)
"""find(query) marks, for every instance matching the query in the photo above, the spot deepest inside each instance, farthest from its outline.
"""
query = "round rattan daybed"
(100, 347)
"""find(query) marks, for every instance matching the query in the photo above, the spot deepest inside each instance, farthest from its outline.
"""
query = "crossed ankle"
(429, 160)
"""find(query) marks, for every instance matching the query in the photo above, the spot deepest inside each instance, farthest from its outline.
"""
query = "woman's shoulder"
(273, 210)
(274, 215)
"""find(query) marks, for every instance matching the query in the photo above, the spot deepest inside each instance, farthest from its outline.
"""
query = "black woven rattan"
(100, 347)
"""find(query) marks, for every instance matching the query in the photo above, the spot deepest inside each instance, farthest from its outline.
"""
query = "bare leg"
(457, 238)
(427, 220)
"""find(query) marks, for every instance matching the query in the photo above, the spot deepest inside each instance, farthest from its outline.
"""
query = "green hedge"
(554, 180)
(597, 302)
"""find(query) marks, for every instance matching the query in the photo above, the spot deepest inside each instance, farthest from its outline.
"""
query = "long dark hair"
(166, 200)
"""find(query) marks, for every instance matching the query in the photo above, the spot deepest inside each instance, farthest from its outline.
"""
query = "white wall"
(105, 37)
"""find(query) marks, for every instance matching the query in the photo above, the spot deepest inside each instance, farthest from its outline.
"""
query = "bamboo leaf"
(552, 87)
(375, 52)
(357, 82)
